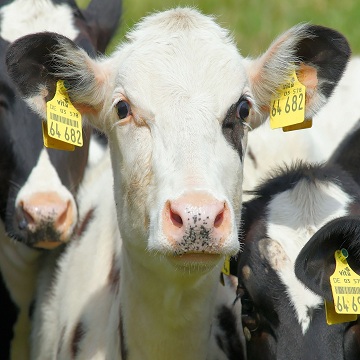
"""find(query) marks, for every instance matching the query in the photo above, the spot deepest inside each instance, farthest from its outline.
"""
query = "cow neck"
(165, 316)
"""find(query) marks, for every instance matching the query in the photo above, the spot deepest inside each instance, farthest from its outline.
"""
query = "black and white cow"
(282, 318)
(37, 185)
(174, 101)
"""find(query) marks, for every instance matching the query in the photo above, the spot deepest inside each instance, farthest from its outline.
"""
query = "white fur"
(89, 298)
(293, 217)
(21, 16)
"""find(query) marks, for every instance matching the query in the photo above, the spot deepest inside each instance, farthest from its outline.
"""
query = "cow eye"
(243, 109)
(123, 109)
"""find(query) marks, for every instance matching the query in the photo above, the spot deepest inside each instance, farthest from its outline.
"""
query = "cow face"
(175, 102)
(38, 185)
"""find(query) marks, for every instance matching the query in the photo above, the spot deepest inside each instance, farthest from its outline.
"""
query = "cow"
(38, 185)
(175, 101)
(282, 318)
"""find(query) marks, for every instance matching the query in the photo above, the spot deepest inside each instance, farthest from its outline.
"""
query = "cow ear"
(103, 18)
(316, 263)
(36, 62)
(318, 54)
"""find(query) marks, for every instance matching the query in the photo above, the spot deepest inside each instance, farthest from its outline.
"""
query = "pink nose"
(196, 222)
(44, 211)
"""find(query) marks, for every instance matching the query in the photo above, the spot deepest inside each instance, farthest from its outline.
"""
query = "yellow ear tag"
(332, 317)
(345, 285)
(288, 105)
(64, 121)
(226, 267)
(307, 124)
(52, 143)
(225, 270)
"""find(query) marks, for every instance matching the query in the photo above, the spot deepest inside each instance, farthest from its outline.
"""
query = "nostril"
(27, 218)
(219, 219)
(176, 219)
(22, 225)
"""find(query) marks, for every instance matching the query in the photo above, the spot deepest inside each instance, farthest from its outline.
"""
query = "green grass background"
(255, 23)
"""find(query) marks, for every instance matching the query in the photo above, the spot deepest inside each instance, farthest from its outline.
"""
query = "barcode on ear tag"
(64, 120)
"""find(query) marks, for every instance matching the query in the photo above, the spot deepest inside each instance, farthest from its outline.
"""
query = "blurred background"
(255, 23)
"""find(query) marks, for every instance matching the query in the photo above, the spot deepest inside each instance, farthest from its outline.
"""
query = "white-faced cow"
(37, 185)
(283, 319)
(174, 101)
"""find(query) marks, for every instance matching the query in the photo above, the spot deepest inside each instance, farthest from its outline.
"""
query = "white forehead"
(181, 56)
(22, 17)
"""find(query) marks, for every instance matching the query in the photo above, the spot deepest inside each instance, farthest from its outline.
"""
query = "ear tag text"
(345, 286)
(287, 107)
(52, 143)
(63, 120)
(332, 317)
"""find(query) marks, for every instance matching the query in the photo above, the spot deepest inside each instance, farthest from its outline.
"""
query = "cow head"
(175, 102)
(38, 185)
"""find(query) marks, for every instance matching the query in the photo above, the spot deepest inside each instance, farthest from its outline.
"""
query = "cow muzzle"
(196, 226)
(47, 219)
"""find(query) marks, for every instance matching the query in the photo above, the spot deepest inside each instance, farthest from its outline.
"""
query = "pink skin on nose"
(196, 223)
(48, 208)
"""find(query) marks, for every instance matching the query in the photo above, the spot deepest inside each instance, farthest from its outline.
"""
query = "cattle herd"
(117, 249)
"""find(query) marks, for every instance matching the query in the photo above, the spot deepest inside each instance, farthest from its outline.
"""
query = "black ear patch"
(328, 50)
(29, 62)
(315, 262)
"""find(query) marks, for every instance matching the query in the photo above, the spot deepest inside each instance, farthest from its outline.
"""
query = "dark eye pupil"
(123, 109)
(242, 110)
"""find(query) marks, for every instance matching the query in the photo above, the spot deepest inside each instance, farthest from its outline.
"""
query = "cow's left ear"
(316, 263)
(36, 62)
(318, 54)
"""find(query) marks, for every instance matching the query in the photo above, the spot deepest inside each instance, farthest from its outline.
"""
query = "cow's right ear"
(316, 263)
(36, 62)
(318, 54)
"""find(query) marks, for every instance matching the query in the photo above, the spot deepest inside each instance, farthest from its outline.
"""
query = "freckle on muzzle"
(196, 223)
